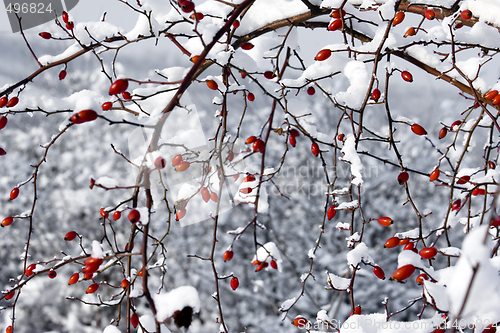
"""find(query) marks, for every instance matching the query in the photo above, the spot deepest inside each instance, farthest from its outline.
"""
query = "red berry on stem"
(410, 32)
(402, 273)
(430, 14)
(117, 215)
(2, 151)
(118, 87)
(391, 243)
(259, 146)
(65, 17)
(251, 97)
(315, 149)
(92, 288)
(14, 193)
(311, 91)
(463, 180)
(9, 329)
(228, 255)
(134, 216)
(236, 24)
(420, 278)
(160, 162)
(3, 101)
(107, 106)
(45, 35)
(70, 25)
(409, 246)
(7, 221)
(70, 236)
(385, 221)
(212, 84)
(331, 212)
(274, 264)
(466, 14)
(83, 116)
(187, 6)
(403, 177)
(407, 76)
(127, 96)
(335, 25)
(29, 270)
(294, 132)
(74, 278)
(323, 55)
(10, 295)
(443, 132)
(205, 194)
(52, 274)
(398, 18)
(103, 212)
(247, 46)
(376, 94)
(214, 197)
(434, 175)
(336, 13)
(455, 124)
(379, 272)
(125, 284)
(176, 160)
(183, 166)
(418, 130)
(428, 252)
(250, 139)
(134, 320)
(179, 214)
(496, 100)
(299, 321)
(235, 283)
(62, 74)
(198, 16)
(456, 205)
(269, 75)
(12, 102)
(491, 94)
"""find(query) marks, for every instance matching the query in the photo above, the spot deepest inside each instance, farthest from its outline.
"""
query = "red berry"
(478, 191)
(323, 55)
(335, 25)
(62, 74)
(7, 221)
(292, 141)
(134, 320)
(462, 180)
(92, 288)
(70, 236)
(179, 214)
(456, 205)
(183, 166)
(74, 278)
(52, 274)
(228, 255)
(83, 116)
(379, 272)
(117, 215)
(315, 149)
(496, 100)
(403, 177)
(187, 6)
(331, 212)
(391, 243)
(410, 32)
(249, 178)
(420, 278)
(261, 266)
(134, 216)
(212, 84)
(402, 273)
(466, 14)
(3, 101)
(341, 137)
(418, 130)
(434, 175)
(103, 212)
(12, 102)
(376, 94)
(491, 165)
(243, 75)
(443, 132)
(259, 146)
(65, 17)
(160, 162)
(9, 329)
(251, 139)
(336, 13)
(70, 25)
(176, 160)
(198, 16)
(235, 283)
(205, 194)
(407, 76)
(385, 221)
(107, 106)
(236, 24)
(430, 14)
(247, 46)
(269, 75)
(126, 96)
(398, 18)
(10, 295)
(2, 151)
(357, 310)
(29, 270)
(311, 91)
(45, 35)
(455, 124)
(409, 246)
(214, 197)
(299, 321)
(404, 241)
(251, 97)
(246, 190)
(118, 87)
(294, 132)
(274, 264)
(428, 252)
(14, 193)
(125, 284)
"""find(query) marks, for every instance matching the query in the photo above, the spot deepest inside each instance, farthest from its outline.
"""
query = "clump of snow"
(111, 329)
(338, 282)
(287, 304)
(97, 250)
(176, 300)
(351, 156)
(358, 255)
